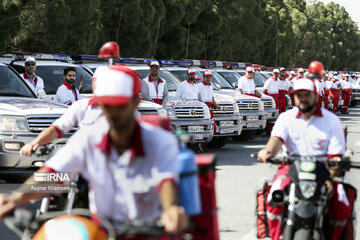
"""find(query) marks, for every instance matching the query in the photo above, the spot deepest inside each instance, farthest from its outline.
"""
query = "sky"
(351, 6)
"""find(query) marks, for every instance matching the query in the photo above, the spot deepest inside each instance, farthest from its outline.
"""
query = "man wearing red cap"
(246, 83)
(346, 87)
(283, 90)
(132, 177)
(188, 90)
(307, 129)
(158, 90)
(271, 87)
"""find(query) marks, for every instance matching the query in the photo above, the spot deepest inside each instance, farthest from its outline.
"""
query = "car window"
(218, 80)
(259, 80)
(11, 84)
(53, 77)
(182, 74)
(231, 77)
(171, 81)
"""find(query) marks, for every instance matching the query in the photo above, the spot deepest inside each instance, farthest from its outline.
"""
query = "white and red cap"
(304, 84)
(292, 73)
(208, 73)
(301, 70)
(276, 71)
(30, 59)
(249, 69)
(282, 69)
(116, 86)
(190, 71)
(155, 63)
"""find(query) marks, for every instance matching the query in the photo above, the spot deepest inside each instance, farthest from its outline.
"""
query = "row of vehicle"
(23, 116)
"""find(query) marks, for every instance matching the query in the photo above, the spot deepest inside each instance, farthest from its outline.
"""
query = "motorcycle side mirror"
(278, 196)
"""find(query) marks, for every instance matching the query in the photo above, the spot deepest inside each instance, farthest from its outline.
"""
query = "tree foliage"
(288, 33)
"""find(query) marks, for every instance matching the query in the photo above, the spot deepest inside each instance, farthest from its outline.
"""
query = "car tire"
(218, 142)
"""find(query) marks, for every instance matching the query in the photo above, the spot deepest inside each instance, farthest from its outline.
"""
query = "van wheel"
(218, 142)
(245, 135)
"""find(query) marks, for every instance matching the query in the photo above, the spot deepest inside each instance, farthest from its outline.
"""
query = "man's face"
(154, 71)
(70, 77)
(120, 116)
(207, 79)
(250, 74)
(300, 74)
(283, 73)
(305, 100)
(275, 75)
(192, 76)
(292, 76)
(30, 67)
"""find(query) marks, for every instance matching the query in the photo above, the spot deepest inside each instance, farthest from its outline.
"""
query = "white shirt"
(80, 114)
(345, 84)
(283, 85)
(36, 85)
(328, 84)
(157, 89)
(121, 187)
(358, 81)
(322, 134)
(334, 84)
(247, 85)
(66, 95)
(206, 92)
(271, 86)
(188, 91)
(319, 87)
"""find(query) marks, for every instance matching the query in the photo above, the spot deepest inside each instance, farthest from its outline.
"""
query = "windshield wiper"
(14, 94)
(227, 88)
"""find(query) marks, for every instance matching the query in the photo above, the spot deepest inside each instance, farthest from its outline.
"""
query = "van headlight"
(261, 105)
(236, 109)
(162, 112)
(307, 188)
(207, 112)
(13, 124)
(170, 112)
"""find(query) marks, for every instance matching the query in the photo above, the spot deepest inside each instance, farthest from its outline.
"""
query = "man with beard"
(68, 93)
(35, 82)
(156, 86)
(188, 90)
(307, 129)
(132, 177)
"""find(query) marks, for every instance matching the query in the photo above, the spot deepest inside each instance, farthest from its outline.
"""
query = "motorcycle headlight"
(170, 112)
(261, 106)
(162, 112)
(307, 188)
(13, 124)
(236, 108)
(207, 112)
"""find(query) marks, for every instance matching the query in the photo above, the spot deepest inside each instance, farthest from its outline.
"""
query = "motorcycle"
(305, 201)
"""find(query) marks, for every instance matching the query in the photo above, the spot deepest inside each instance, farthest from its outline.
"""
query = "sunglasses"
(154, 68)
(30, 64)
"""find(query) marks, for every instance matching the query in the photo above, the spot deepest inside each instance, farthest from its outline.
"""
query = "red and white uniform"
(122, 187)
(271, 86)
(345, 94)
(36, 84)
(206, 92)
(156, 89)
(247, 85)
(334, 95)
(66, 94)
(283, 90)
(188, 90)
(322, 134)
(81, 113)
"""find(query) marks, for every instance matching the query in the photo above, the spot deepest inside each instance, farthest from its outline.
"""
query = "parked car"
(251, 108)
(22, 117)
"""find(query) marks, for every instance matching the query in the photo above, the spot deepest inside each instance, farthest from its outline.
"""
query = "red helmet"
(316, 67)
(109, 50)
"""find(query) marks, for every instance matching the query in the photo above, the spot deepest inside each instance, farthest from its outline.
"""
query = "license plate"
(252, 118)
(226, 130)
(226, 123)
(198, 136)
(195, 128)
(252, 125)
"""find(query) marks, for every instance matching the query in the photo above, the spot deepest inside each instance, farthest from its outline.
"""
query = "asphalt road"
(239, 176)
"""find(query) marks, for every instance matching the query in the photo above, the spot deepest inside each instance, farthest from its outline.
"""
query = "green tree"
(9, 23)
